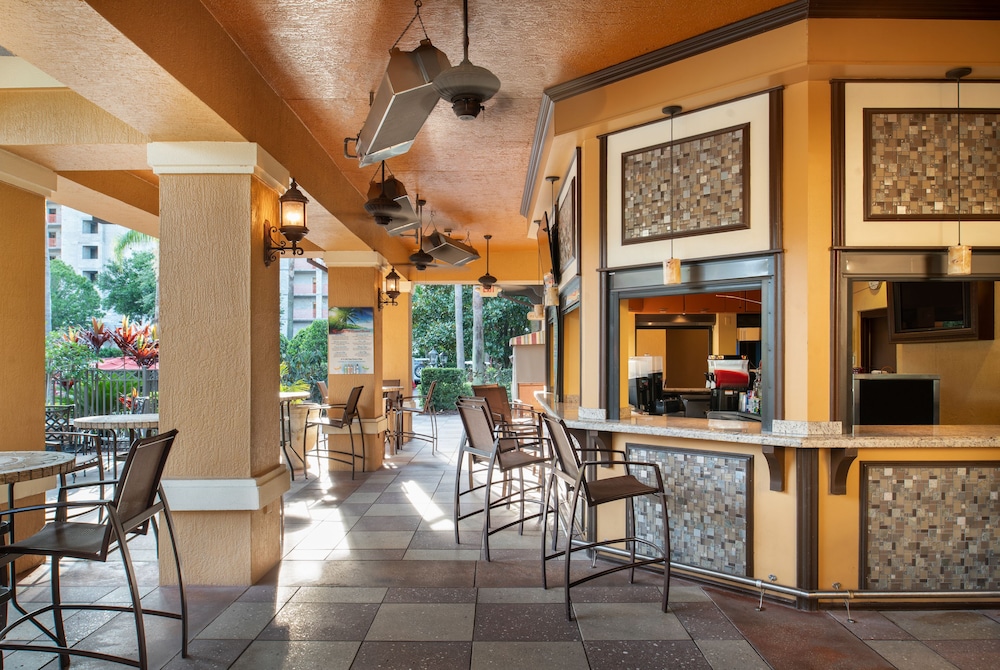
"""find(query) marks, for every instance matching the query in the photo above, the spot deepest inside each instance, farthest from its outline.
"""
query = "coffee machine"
(645, 383)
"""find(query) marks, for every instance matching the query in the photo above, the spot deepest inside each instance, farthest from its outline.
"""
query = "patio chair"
(424, 406)
(137, 499)
(570, 479)
(341, 415)
(514, 417)
(506, 458)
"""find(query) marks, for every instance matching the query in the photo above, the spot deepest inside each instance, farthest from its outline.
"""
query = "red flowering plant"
(96, 337)
(138, 342)
(129, 399)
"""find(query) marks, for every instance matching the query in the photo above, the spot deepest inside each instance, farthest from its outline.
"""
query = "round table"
(115, 422)
(21, 466)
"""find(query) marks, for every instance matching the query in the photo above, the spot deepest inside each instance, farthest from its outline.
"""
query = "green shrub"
(450, 385)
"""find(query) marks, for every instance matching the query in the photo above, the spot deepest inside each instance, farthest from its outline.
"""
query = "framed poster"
(351, 340)
(568, 220)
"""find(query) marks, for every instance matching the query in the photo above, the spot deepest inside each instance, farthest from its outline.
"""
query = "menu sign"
(352, 341)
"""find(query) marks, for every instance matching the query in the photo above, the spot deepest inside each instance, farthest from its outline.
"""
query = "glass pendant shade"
(960, 259)
(672, 271)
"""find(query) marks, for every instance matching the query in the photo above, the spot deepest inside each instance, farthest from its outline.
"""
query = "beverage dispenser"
(728, 376)
(645, 383)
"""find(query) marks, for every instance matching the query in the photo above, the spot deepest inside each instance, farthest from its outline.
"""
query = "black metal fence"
(106, 392)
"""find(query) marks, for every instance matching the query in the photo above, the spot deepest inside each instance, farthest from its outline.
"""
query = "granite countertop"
(797, 434)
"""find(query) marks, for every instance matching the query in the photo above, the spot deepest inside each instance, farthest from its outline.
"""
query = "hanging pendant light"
(466, 86)
(959, 255)
(671, 266)
(421, 259)
(381, 206)
(487, 280)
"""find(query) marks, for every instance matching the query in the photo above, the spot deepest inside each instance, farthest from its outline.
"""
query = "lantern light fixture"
(466, 86)
(391, 292)
(293, 225)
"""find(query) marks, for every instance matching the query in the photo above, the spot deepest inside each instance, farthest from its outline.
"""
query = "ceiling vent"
(448, 250)
(404, 100)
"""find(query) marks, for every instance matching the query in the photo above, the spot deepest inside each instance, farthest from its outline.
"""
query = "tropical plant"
(96, 336)
(306, 354)
(451, 384)
(138, 342)
(66, 359)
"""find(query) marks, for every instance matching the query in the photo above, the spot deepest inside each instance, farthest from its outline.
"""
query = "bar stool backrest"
(477, 425)
(566, 455)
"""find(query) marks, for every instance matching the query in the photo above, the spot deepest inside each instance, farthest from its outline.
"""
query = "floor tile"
(729, 654)
(910, 654)
(627, 621)
(338, 594)
(495, 655)
(524, 622)
(424, 622)
(643, 654)
(431, 595)
(240, 621)
(704, 621)
(375, 654)
(297, 655)
(868, 625)
(968, 654)
(946, 625)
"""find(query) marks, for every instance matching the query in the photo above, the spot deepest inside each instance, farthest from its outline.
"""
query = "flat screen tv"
(940, 311)
(896, 399)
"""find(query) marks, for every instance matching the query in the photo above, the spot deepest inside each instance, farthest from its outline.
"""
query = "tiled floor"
(372, 578)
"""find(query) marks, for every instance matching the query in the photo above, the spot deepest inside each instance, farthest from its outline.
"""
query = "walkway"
(372, 578)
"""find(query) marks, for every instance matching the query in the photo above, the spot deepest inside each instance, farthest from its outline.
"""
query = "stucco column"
(219, 357)
(354, 279)
(23, 188)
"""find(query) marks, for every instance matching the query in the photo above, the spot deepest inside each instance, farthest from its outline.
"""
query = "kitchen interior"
(924, 352)
(693, 355)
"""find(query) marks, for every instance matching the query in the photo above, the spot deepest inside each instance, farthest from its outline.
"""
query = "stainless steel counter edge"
(863, 437)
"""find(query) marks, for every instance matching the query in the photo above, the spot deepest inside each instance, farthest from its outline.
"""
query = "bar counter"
(887, 510)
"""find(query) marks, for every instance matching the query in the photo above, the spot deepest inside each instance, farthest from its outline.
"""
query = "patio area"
(371, 578)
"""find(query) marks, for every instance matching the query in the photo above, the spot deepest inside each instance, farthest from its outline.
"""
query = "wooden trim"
(807, 523)
(603, 202)
(776, 161)
(546, 113)
(838, 152)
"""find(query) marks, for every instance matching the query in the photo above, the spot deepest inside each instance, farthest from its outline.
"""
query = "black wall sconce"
(388, 297)
(293, 225)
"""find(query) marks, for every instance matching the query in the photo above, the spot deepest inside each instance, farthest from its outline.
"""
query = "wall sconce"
(388, 297)
(293, 225)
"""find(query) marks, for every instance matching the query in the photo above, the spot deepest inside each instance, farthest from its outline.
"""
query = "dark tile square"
(431, 595)
(968, 654)
(704, 621)
(524, 622)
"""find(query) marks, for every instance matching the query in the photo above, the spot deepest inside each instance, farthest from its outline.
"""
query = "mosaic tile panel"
(704, 188)
(567, 228)
(710, 500)
(913, 164)
(930, 526)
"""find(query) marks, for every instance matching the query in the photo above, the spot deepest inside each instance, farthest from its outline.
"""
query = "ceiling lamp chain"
(671, 266)
(466, 86)
(959, 255)
(487, 280)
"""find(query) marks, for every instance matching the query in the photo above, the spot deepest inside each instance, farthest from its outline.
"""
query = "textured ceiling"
(184, 70)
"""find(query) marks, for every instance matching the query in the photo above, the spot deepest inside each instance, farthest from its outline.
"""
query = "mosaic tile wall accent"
(913, 171)
(710, 500)
(705, 190)
(930, 526)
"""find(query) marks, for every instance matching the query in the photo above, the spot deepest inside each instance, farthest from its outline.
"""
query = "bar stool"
(570, 471)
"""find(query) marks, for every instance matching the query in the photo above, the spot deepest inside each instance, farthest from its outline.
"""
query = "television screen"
(896, 399)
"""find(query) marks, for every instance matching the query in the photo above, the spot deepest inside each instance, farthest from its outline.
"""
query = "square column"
(220, 357)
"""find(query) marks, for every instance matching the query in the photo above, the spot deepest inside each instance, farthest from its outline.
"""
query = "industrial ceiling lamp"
(381, 206)
(959, 255)
(391, 292)
(487, 280)
(466, 86)
(671, 266)
(293, 225)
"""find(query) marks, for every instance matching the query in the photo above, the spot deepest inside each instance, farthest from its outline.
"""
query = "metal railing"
(102, 391)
